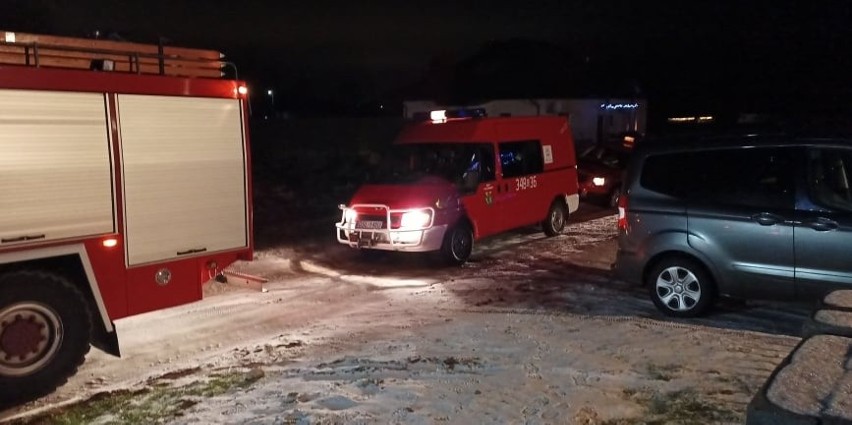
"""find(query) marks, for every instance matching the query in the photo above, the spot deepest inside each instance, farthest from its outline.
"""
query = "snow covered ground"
(533, 330)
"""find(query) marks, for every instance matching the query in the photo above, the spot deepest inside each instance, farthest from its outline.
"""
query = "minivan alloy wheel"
(678, 288)
(681, 287)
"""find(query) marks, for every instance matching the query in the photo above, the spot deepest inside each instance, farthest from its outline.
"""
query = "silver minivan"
(745, 217)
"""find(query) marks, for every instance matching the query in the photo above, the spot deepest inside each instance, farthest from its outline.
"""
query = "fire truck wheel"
(556, 217)
(457, 245)
(45, 328)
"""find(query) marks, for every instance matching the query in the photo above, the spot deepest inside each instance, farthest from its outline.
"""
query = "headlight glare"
(415, 219)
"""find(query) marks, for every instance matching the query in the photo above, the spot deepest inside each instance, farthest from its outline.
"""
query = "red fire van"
(447, 183)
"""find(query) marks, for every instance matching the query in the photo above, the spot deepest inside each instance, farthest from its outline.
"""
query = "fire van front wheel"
(554, 224)
(458, 244)
(44, 333)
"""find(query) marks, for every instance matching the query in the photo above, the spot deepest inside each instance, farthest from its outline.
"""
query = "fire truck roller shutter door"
(55, 145)
(194, 204)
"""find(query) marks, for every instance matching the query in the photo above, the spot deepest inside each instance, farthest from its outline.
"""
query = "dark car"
(747, 217)
(599, 170)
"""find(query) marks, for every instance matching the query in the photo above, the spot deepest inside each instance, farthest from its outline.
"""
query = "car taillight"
(622, 212)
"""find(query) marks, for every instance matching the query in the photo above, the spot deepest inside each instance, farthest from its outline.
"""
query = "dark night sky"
(675, 49)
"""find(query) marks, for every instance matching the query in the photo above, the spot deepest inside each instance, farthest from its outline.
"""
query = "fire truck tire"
(457, 245)
(45, 328)
(557, 215)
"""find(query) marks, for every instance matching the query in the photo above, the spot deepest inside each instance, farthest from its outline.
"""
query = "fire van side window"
(482, 160)
(521, 158)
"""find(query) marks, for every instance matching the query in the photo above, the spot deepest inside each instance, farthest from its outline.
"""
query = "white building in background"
(592, 120)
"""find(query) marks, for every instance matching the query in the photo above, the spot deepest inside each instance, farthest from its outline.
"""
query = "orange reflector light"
(111, 242)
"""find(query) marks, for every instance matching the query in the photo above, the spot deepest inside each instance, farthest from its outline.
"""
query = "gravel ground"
(532, 330)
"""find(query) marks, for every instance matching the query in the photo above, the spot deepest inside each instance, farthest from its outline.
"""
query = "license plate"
(369, 224)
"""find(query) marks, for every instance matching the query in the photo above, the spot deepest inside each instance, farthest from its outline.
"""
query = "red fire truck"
(124, 180)
(449, 182)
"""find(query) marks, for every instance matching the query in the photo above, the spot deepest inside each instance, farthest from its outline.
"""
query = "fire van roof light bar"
(438, 116)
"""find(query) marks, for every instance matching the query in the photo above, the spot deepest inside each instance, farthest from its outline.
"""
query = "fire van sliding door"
(55, 165)
(183, 162)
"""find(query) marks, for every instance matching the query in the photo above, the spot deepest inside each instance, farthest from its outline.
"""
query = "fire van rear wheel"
(457, 245)
(554, 224)
(45, 328)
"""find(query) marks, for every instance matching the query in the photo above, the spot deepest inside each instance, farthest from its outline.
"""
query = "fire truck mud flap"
(242, 280)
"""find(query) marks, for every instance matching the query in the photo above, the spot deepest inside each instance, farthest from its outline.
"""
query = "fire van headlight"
(598, 181)
(415, 219)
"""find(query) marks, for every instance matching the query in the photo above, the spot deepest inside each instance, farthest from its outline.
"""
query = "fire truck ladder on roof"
(108, 55)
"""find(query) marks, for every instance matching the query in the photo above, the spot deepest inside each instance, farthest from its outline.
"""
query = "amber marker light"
(111, 242)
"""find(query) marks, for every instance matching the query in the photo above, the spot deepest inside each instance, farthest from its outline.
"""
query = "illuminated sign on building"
(699, 119)
(617, 106)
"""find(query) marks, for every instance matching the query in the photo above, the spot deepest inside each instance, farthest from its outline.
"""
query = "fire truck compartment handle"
(191, 251)
(22, 238)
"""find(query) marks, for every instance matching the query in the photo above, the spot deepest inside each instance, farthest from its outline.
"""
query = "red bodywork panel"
(22, 77)
(127, 291)
(497, 205)
(552, 131)
(421, 194)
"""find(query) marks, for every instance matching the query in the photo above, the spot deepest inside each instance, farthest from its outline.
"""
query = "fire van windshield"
(457, 163)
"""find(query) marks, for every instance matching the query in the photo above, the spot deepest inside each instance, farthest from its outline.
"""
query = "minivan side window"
(829, 174)
(666, 174)
(521, 158)
(752, 177)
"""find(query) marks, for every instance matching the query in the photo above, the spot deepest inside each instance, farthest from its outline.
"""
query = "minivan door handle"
(767, 219)
(822, 224)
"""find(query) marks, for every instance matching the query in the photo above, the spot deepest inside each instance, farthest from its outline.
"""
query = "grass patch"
(662, 373)
(738, 384)
(688, 407)
(684, 407)
(156, 404)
